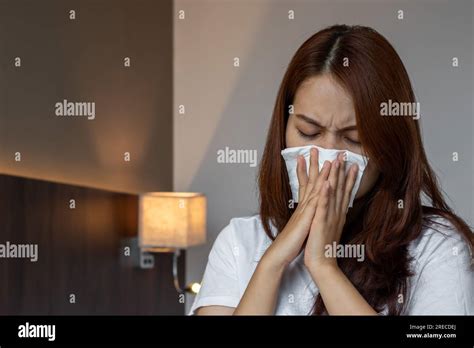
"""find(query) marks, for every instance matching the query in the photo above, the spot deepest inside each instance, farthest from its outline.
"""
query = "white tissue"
(290, 156)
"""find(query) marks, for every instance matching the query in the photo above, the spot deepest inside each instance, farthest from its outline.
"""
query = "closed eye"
(308, 136)
(353, 142)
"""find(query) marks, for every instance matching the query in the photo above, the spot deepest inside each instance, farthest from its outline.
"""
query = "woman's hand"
(330, 217)
(318, 220)
(339, 295)
(290, 240)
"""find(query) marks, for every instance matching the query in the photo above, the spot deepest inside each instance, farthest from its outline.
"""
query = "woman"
(417, 259)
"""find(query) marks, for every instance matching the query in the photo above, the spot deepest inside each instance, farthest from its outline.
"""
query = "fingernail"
(337, 164)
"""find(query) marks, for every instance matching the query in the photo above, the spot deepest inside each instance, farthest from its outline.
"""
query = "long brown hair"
(374, 74)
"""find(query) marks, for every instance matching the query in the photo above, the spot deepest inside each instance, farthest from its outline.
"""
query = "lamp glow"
(195, 287)
(174, 220)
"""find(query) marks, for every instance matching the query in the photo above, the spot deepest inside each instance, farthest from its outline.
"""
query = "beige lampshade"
(171, 219)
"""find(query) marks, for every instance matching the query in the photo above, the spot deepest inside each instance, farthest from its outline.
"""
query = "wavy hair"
(375, 74)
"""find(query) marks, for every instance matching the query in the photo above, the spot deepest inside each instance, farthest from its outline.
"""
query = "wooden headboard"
(80, 253)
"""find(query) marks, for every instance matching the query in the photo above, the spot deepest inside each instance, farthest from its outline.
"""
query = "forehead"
(321, 97)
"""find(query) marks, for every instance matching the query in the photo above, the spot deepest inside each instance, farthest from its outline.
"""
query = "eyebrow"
(316, 123)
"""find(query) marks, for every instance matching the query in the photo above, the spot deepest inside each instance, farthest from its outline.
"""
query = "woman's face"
(324, 115)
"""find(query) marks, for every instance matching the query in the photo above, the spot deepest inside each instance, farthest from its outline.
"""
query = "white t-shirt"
(442, 284)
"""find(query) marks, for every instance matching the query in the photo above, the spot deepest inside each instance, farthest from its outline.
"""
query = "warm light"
(172, 220)
(195, 287)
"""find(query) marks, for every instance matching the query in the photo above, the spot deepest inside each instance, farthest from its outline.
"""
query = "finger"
(302, 176)
(323, 203)
(333, 177)
(341, 182)
(322, 177)
(313, 168)
(309, 209)
(350, 181)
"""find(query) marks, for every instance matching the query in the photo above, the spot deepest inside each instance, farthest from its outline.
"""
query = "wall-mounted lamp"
(168, 222)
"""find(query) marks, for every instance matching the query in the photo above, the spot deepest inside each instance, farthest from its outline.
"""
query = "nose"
(331, 141)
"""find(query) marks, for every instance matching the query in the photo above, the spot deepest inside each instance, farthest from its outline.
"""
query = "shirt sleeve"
(219, 286)
(443, 283)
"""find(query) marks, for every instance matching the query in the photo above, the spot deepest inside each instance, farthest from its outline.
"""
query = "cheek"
(368, 180)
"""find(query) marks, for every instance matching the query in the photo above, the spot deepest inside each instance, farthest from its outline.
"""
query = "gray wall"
(228, 106)
(83, 60)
